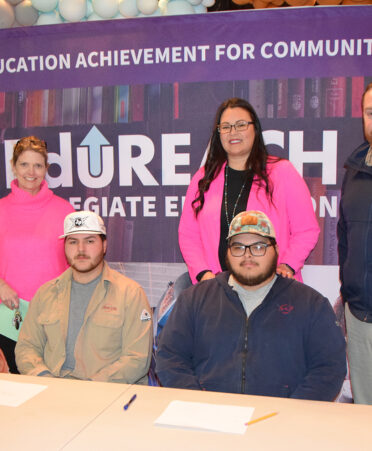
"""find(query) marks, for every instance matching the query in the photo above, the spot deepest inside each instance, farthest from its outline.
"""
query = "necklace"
(225, 197)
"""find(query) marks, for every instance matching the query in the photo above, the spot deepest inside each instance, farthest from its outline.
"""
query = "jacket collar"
(356, 160)
(280, 284)
(66, 277)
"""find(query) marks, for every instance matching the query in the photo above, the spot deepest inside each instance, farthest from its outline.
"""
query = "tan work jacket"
(114, 343)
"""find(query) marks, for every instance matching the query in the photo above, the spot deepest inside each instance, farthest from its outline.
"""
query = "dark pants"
(7, 346)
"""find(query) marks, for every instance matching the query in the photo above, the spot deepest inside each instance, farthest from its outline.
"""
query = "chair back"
(3, 363)
(161, 314)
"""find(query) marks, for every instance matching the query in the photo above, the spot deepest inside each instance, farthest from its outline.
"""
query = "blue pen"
(129, 402)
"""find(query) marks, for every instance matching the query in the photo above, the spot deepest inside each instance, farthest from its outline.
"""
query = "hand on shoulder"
(208, 275)
(285, 271)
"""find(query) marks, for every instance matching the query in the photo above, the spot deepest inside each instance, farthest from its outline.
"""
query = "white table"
(300, 425)
(54, 416)
(81, 415)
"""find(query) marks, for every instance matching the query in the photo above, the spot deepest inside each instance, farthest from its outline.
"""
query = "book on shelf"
(70, 106)
(166, 105)
(55, 107)
(45, 108)
(34, 105)
(8, 109)
(334, 97)
(2, 102)
(137, 103)
(257, 97)
(270, 98)
(357, 89)
(94, 104)
(152, 101)
(83, 105)
(282, 98)
(108, 104)
(241, 89)
(122, 103)
(313, 97)
(296, 97)
(20, 116)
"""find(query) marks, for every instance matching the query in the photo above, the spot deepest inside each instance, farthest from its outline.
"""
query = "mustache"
(252, 262)
(81, 255)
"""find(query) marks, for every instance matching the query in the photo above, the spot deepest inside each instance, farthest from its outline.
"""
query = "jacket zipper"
(245, 352)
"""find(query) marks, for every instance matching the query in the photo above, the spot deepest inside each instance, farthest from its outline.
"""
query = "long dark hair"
(217, 156)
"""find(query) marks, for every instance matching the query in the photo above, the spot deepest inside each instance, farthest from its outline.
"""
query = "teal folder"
(7, 326)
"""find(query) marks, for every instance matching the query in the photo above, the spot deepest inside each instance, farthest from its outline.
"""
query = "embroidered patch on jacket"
(285, 309)
(145, 315)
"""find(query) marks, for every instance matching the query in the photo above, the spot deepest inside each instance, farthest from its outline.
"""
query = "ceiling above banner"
(20, 13)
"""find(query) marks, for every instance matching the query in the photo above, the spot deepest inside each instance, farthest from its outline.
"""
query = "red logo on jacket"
(285, 309)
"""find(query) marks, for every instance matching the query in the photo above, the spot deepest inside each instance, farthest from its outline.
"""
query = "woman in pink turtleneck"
(31, 220)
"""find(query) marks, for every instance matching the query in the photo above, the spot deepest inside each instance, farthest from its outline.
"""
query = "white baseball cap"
(83, 222)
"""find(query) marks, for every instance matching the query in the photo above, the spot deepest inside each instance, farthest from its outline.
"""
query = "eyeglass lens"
(238, 126)
(256, 249)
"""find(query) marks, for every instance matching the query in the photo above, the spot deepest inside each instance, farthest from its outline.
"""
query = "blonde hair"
(30, 143)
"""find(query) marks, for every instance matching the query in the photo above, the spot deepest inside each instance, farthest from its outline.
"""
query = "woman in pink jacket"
(239, 175)
(31, 220)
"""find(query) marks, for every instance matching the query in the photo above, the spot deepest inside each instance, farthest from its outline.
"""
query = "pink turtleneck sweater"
(30, 251)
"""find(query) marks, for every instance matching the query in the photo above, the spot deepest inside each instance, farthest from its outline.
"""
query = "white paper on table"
(13, 394)
(208, 417)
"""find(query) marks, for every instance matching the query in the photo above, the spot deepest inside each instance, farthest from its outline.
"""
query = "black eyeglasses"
(239, 126)
(256, 249)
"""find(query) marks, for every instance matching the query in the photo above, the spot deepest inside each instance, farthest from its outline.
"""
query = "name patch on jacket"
(109, 308)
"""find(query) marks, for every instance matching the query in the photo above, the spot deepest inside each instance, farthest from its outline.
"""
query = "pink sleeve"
(189, 236)
(292, 198)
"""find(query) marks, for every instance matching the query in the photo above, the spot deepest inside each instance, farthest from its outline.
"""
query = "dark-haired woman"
(239, 175)
(31, 220)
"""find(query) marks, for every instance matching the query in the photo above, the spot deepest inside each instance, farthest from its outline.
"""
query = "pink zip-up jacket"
(291, 213)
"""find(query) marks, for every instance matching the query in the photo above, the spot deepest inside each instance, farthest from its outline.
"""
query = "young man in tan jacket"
(91, 322)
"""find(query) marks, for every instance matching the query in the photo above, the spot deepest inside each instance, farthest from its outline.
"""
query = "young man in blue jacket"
(252, 331)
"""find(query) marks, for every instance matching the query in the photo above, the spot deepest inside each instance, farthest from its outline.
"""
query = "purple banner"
(249, 45)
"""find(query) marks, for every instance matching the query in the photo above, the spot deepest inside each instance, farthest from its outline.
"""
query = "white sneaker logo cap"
(83, 222)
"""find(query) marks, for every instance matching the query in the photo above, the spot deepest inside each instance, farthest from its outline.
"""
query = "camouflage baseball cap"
(253, 221)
